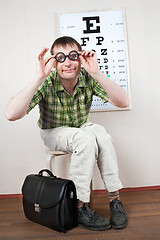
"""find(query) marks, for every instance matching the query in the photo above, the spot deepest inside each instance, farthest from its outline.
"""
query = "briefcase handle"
(47, 171)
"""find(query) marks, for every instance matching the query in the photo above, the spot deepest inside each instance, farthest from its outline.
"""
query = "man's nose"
(67, 61)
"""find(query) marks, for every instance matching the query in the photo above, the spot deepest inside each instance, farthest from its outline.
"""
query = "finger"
(42, 53)
(84, 53)
(82, 58)
(51, 64)
(48, 59)
(88, 53)
(91, 54)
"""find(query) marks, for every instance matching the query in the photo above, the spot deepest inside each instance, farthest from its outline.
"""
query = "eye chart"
(104, 32)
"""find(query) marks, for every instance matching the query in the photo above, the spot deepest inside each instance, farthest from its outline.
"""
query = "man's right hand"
(44, 65)
(18, 105)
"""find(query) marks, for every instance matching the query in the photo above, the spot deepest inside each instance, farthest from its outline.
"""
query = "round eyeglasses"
(61, 57)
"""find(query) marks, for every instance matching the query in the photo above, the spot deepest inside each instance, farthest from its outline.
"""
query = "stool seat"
(57, 152)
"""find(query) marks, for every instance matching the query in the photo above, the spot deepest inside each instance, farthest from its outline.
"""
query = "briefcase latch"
(37, 207)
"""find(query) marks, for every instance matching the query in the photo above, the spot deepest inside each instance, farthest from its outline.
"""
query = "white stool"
(51, 156)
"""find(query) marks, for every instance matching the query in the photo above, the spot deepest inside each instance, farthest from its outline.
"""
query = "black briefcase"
(50, 201)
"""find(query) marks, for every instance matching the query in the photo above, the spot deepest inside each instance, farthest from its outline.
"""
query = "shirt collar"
(59, 87)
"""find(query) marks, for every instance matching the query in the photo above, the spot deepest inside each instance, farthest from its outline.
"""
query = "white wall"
(26, 27)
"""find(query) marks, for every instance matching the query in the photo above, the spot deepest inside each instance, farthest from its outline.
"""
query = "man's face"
(69, 69)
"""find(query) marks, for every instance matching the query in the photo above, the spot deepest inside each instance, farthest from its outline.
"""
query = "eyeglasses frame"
(65, 56)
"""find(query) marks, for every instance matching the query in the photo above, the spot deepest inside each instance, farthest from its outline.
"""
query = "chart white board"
(105, 32)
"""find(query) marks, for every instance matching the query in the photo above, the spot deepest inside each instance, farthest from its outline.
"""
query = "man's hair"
(63, 41)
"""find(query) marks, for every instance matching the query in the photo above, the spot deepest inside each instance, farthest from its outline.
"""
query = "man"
(64, 97)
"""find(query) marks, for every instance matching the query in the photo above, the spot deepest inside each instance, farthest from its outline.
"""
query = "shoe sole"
(96, 229)
(120, 226)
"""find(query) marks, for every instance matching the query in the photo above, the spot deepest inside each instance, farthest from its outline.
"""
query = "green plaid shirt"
(58, 108)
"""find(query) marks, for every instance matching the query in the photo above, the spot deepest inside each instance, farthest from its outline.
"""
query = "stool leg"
(53, 158)
(49, 162)
(50, 159)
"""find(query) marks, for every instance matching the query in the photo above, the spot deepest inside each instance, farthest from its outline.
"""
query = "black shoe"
(118, 215)
(90, 220)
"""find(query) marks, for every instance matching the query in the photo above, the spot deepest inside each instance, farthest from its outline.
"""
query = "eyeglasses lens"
(60, 57)
(73, 55)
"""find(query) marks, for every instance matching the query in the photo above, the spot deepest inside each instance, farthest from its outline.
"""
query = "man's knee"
(100, 132)
(84, 140)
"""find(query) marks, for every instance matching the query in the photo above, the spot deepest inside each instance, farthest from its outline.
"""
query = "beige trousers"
(86, 144)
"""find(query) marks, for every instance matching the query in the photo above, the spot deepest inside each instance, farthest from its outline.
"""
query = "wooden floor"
(143, 210)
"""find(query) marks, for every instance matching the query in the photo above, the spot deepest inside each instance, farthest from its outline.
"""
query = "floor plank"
(143, 210)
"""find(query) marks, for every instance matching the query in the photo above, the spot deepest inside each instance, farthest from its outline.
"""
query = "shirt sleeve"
(100, 92)
(35, 100)
(97, 89)
(40, 93)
